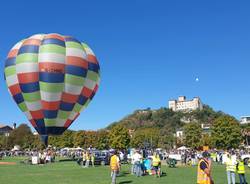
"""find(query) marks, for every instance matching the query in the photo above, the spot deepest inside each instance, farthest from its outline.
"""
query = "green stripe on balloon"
(9, 71)
(75, 80)
(51, 87)
(27, 58)
(51, 48)
(93, 76)
(23, 107)
(31, 97)
(72, 44)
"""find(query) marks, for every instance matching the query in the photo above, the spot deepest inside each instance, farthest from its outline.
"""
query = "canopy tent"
(183, 148)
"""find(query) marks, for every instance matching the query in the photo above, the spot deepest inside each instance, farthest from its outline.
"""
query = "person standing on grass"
(231, 169)
(132, 163)
(87, 159)
(114, 166)
(241, 170)
(137, 162)
(93, 159)
(204, 170)
(156, 164)
(83, 158)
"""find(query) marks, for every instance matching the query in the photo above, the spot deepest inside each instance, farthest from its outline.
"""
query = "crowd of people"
(140, 165)
(149, 162)
(234, 165)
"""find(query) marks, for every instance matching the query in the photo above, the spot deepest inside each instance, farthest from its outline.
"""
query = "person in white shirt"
(137, 158)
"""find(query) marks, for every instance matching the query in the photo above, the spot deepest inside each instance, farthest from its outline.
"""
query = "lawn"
(70, 173)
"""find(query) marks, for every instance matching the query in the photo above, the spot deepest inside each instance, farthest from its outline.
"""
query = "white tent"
(182, 148)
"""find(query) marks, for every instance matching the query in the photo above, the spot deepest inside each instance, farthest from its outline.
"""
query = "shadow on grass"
(123, 173)
(124, 182)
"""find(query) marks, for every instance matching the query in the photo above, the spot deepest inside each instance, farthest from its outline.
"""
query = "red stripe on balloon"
(51, 67)
(55, 36)
(15, 89)
(77, 61)
(33, 123)
(37, 114)
(28, 77)
(96, 88)
(32, 42)
(86, 92)
(13, 53)
(92, 59)
(50, 105)
(66, 97)
(68, 123)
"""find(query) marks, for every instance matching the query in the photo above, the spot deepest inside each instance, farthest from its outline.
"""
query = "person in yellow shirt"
(83, 158)
(241, 170)
(114, 166)
(87, 159)
(231, 169)
(156, 163)
(93, 159)
(204, 170)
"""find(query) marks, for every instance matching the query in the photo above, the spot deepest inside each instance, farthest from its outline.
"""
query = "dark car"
(101, 158)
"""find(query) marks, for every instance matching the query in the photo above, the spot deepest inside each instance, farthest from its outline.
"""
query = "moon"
(197, 79)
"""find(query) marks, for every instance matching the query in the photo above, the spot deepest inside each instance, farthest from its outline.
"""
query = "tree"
(146, 137)
(90, 139)
(79, 139)
(21, 136)
(64, 140)
(119, 137)
(206, 140)
(102, 140)
(4, 142)
(192, 135)
(167, 139)
(226, 132)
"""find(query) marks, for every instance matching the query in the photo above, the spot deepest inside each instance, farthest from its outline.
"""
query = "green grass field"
(70, 173)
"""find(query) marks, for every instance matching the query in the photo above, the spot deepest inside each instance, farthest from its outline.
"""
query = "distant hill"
(166, 118)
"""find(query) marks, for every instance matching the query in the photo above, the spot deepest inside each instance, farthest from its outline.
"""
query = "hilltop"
(165, 118)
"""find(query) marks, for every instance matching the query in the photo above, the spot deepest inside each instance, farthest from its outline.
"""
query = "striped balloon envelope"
(52, 78)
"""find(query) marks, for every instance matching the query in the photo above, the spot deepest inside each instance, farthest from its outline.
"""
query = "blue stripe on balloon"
(10, 61)
(40, 126)
(71, 39)
(93, 67)
(30, 87)
(50, 114)
(55, 130)
(28, 49)
(51, 77)
(75, 70)
(66, 106)
(18, 98)
(53, 41)
(82, 100)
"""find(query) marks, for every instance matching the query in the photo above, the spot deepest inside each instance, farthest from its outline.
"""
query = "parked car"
(101, 158)
(245, 158)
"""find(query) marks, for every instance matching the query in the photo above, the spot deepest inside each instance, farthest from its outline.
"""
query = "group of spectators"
(87, 158)
(234, 165)
(141, 164)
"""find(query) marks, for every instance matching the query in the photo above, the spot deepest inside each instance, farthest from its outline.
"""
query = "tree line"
(145, 129)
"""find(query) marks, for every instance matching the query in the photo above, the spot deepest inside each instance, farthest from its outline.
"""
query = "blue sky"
(149, 52)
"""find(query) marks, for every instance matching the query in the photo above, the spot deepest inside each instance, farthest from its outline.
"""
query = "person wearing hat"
(204, 170)
(114, 166)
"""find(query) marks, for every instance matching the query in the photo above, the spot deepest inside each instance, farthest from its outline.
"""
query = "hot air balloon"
(52, 78)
